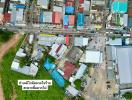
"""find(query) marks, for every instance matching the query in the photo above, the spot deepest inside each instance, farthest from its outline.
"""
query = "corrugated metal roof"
(56, 17)
(129, 22)
(80, 19)
(69, 9)
(65, 20)
(124, 57)
(71, 20)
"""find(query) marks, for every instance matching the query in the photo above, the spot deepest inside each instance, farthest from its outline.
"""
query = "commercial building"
(92, 57)
(80, 41)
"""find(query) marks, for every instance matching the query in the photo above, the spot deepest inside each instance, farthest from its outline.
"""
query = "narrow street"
(3, 50)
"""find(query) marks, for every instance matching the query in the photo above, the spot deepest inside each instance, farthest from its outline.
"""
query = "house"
(48, 17)
(72, 90)
(56, 18)
(20, 53)
(80, 21)
(27, 70)
(74, 54)
(43, 3)
(2, 5)
(98, 2)
(17, 14)
(57, 9)
(80, 71)
(68, 21)
(45, 16)
(69, 9)
(69, 69)
(80, 41)
(92, 57)
(58, 50)
(119, 7)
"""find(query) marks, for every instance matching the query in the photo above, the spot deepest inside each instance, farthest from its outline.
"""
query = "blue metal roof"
(69, 9)
(65, 20)
(48, 65)
(80, 19)
(119, 7)
(41, 16)
(19, 6)
(58, 78)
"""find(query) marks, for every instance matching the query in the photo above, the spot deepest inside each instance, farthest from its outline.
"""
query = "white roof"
(93, 57)
(125, 20)
(72, 90)
(57, 9)
(80, 71)
(31, 38)
(20, 53)
(124, 57)
(2, 1)
(116, 41)
(15, 65)
(80, 41)
(57, 54)
(1, 10)
(43, 3)
(19, 15)
(48, 17)
(60, 71)
(33, 70)
(86, 5)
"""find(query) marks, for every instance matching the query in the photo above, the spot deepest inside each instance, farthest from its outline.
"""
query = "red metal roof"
(67, 39)
(71, 20)
(69, 3)
(81, 1)
(7, 17)
(81, 9)
(56, 17)
(68, 69)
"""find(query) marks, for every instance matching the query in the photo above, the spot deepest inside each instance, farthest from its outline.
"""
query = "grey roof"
(129, 22)
(124, 57)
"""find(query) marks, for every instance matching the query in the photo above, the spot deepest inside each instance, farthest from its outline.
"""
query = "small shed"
(72, 90)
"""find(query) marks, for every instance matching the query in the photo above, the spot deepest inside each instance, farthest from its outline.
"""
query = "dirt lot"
(96, 88)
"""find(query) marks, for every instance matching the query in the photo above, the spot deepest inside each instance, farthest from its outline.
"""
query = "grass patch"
(128, 95)
(5, 35)
(78, 84)
(10, 77)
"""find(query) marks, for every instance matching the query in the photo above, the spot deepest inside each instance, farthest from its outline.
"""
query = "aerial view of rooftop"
(65, 49)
